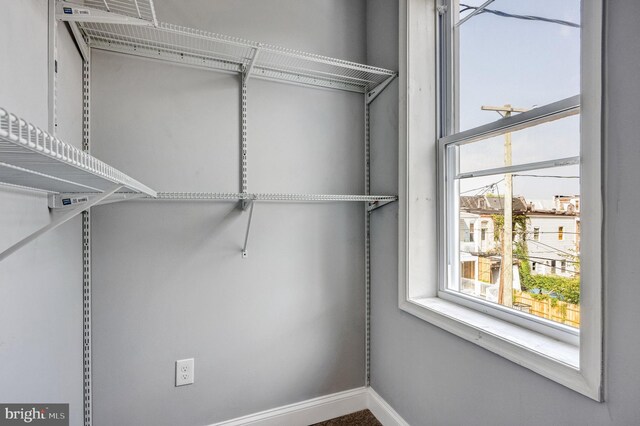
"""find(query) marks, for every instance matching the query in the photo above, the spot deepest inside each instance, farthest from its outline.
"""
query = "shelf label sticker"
(72, 201)
(75, 11)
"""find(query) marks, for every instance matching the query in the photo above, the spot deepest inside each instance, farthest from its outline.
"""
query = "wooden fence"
(562, 312)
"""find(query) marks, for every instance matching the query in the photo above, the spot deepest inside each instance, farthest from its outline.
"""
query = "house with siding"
(552, 237)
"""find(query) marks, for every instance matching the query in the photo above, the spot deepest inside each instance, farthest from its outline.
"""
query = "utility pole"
(505, 293)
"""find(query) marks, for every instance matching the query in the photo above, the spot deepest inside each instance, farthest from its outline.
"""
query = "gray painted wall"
(287, 323)
(434, 378)
(40, 285)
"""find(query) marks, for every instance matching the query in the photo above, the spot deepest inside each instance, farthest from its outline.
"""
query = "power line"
(523, 17)
(552, 248)
(491, 185)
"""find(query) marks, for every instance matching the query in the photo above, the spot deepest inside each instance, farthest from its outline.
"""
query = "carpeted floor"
(360, 418)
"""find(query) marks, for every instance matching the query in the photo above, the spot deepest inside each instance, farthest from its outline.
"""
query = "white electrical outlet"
(184, 372)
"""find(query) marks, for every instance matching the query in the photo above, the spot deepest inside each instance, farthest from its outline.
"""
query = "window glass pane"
(553, 140)
(520, 52)
(545, 270)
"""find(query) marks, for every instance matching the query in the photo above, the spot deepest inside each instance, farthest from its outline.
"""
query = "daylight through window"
(509, 158)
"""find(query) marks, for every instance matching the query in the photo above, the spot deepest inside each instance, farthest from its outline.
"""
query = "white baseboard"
(323, 408)
(383, 411)
(307, 412)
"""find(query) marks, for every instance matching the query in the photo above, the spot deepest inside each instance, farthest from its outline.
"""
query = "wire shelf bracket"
(83, 47)
(373, 93)
(58, 221)
(375, 205)
(245, 254)
(31, 158)
(248, 68)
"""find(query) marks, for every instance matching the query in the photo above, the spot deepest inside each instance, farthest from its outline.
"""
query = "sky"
(525, 64)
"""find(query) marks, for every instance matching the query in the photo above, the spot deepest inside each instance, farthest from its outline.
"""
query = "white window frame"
(577, 366)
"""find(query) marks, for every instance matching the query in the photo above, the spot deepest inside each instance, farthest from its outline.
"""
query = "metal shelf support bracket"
(375, 205)
(80, 41)
(246, 236)
(373, 93)
(249, 67)
(59, 221)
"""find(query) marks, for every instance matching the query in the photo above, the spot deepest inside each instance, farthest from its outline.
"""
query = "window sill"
(556, 360)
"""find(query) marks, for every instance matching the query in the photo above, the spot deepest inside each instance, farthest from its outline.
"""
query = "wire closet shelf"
(210, 50)
(141, 9)
(32, 158)
(236, 196)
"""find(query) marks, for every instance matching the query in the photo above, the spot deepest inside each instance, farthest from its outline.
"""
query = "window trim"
(419, 255)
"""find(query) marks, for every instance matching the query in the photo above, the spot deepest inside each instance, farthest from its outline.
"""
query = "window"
(536, 233)
(472, 231)
(511, 146)
(518, 122)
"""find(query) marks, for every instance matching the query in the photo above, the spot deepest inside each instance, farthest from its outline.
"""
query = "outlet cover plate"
(184, 372)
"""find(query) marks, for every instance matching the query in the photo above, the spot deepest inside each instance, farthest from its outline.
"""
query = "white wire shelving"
(239, 196)
(204, 49)
(373, 201)
(31, 158)
(130, 27)
(142, 9)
